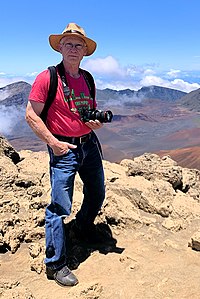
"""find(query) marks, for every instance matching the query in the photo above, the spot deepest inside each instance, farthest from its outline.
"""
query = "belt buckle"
(83, 139)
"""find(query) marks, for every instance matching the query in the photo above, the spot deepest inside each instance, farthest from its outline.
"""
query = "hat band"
(73, 31)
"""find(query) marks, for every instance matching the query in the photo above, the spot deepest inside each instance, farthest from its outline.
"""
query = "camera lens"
(102, 116)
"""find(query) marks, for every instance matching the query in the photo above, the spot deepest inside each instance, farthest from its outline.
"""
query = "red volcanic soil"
(186, 157)
(187, 151)
(193, 135)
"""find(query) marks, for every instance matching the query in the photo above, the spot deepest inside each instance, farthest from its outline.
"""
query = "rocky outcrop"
(147, 190)
(14, 289)
(7, 150)
(23, 199)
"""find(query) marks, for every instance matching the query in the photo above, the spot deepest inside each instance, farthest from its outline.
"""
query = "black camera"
(102, 116)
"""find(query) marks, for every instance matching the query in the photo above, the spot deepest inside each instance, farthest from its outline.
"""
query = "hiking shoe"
(63, 277)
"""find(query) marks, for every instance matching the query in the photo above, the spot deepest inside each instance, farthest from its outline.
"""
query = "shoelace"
(65, 270)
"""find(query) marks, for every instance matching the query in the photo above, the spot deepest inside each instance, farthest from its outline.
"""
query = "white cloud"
(184, 86)
(152, 80)
(33, 74)
(117, 85)
(108, 73)
(104, 66)
(9, 118)
(173, 73)
(136, 71)
(149, 72)
(178, 84)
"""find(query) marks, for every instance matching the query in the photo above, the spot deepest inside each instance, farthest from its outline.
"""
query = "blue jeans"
(86, 159)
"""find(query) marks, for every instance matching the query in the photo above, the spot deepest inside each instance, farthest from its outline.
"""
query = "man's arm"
(33, 119)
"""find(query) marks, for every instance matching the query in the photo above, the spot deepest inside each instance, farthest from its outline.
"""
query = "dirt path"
(148, 263)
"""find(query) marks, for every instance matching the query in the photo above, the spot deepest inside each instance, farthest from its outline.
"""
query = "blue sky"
(139, 42)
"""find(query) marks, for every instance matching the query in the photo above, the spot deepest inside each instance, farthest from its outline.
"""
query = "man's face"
(73, 48)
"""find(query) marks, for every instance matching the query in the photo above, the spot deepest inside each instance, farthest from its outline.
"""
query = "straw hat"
(72, 29)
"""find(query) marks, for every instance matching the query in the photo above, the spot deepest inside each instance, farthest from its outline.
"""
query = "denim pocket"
(66, 153)
(57, 158)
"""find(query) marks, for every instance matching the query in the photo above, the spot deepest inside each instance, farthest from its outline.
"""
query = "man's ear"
(60, 48)
(85, 51)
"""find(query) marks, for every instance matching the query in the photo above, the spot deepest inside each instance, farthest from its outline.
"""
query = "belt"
(74, 140)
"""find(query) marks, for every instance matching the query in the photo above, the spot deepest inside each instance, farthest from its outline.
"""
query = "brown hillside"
(189, 135)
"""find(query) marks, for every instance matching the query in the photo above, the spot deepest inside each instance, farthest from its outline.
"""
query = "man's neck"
(72, 70)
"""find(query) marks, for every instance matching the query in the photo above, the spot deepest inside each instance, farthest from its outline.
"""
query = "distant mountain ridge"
(145, 93)
(144, 120)
(160, 93)
(17, 94)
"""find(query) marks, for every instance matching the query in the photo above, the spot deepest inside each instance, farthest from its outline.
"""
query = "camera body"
(93, 114)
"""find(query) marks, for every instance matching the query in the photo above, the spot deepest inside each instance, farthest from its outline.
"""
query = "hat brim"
(54, 40)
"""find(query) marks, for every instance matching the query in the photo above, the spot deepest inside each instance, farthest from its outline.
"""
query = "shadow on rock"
(80, 247)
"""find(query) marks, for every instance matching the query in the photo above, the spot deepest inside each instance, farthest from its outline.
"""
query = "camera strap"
(61, 71)
(87, 77)
(54, 83)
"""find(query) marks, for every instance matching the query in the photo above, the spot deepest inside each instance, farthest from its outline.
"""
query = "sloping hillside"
(186, 157)
(15, 94)
(191, 100)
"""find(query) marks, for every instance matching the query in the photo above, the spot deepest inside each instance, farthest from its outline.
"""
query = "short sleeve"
(40, 87)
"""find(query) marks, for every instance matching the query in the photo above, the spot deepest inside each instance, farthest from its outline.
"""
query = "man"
(73, 147)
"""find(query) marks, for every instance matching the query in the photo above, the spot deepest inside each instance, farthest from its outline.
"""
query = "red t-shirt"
(63, 115)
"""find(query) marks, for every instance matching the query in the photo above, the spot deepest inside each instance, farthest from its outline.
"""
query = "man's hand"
(62, 148)
(94, 124)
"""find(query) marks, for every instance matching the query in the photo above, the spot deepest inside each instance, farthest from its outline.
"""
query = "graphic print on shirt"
(78, 103)
(79, 98)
